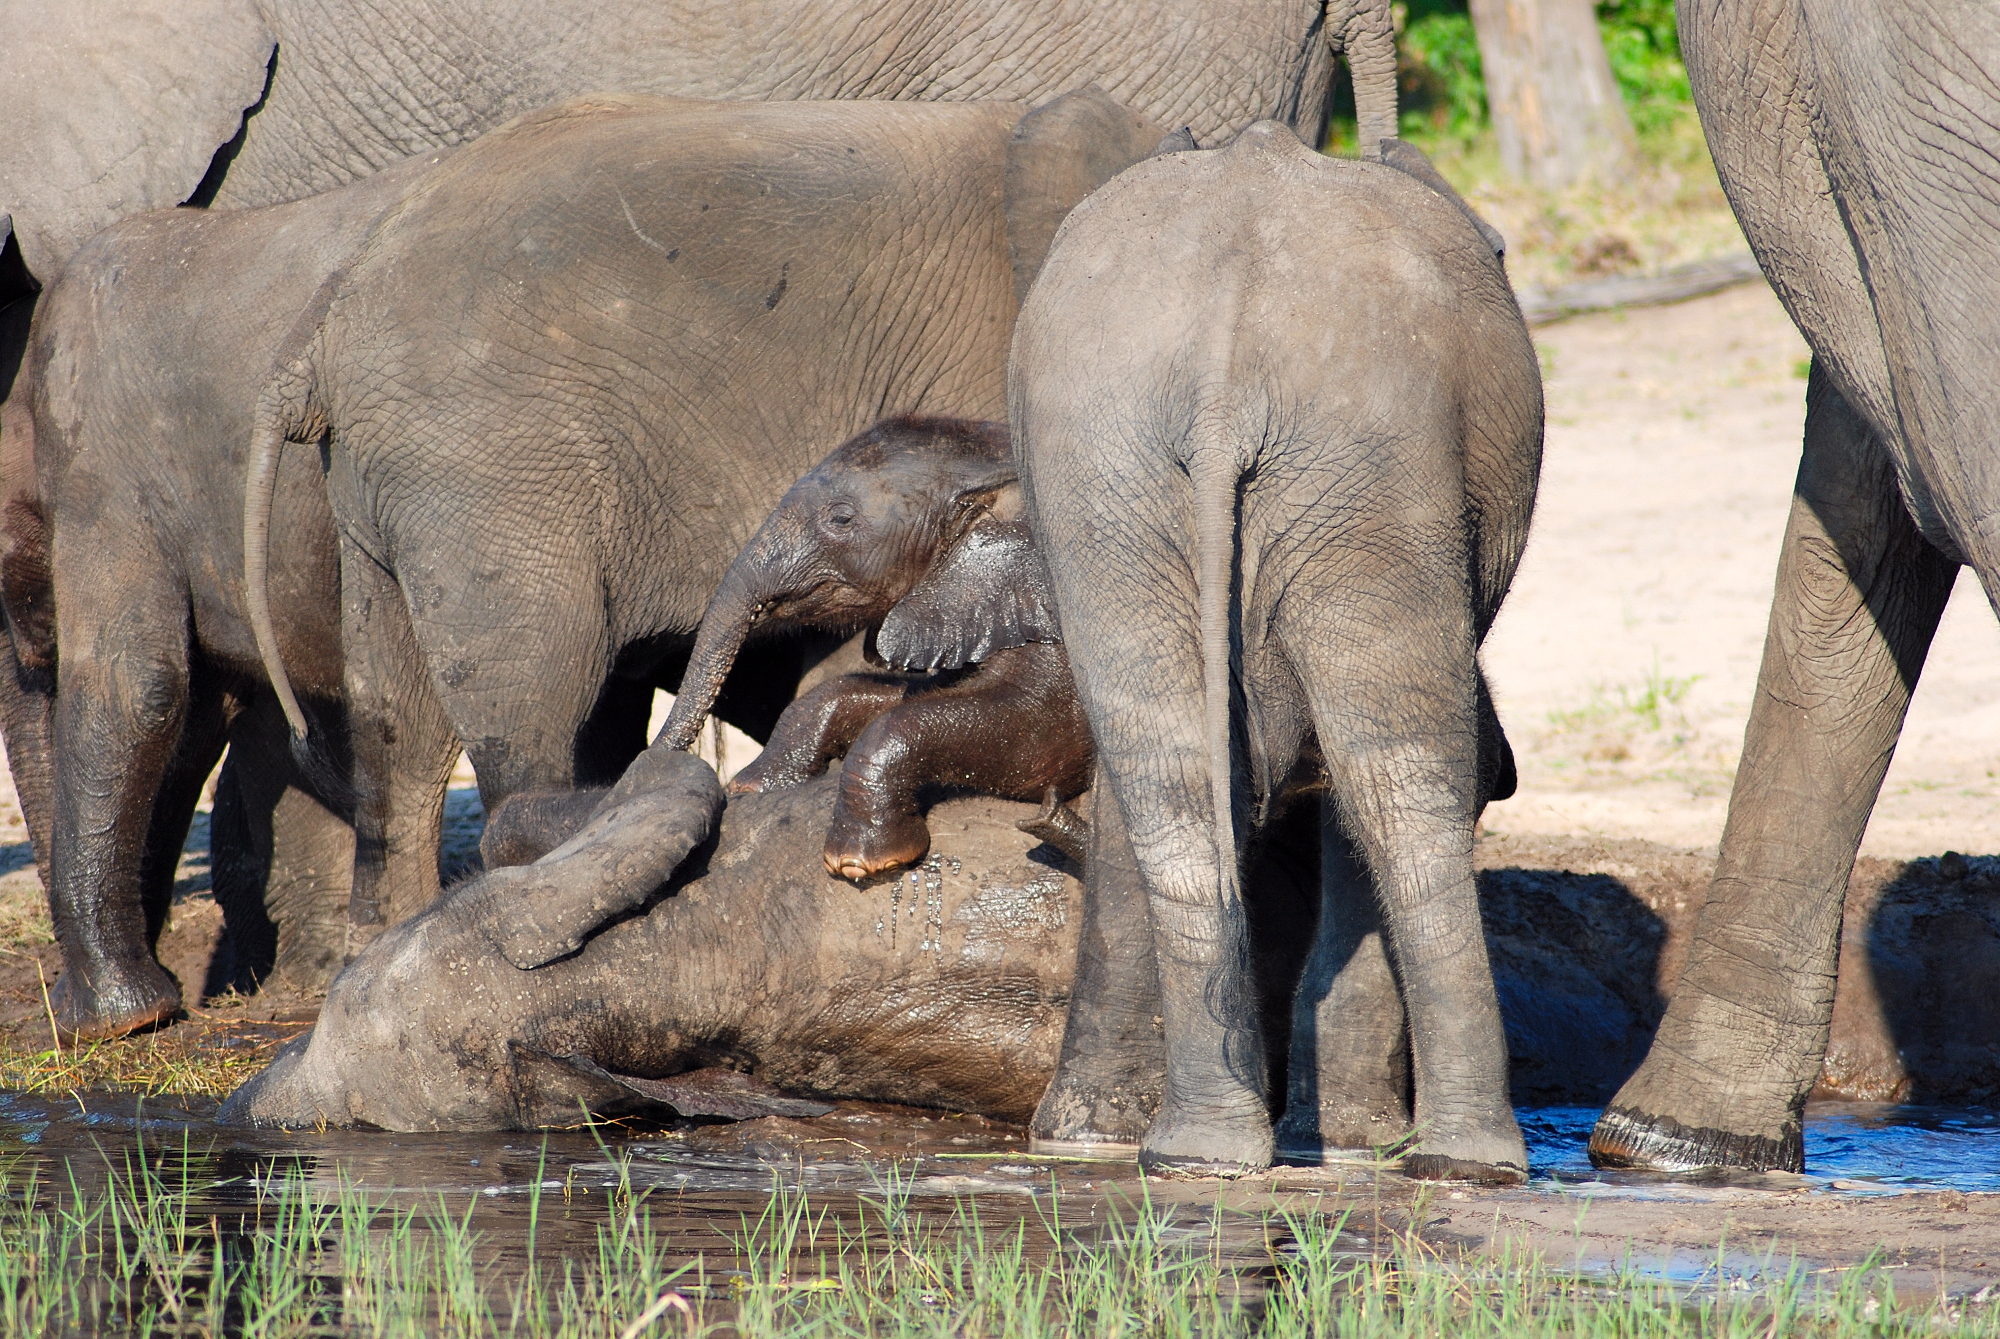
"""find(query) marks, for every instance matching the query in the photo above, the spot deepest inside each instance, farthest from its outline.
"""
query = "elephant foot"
(1633, 1140)
(858, 847)
(526, 826)
(1208, 1144)
(1082, 1118)
(765, 774)
(1437, 1167)
(1060, 826)
(101, 1001)
(1488, 1153)
(1349, 1128)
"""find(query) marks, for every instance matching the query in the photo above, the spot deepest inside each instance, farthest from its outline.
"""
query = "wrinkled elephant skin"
(118, 106)
(1854, 143)
(566, 382)
(944, 987)
(123, 586)
(1305, 466)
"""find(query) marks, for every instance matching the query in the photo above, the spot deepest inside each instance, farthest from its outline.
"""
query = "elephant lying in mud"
(944, 987)
(123, 587)
(1856, 145)
(559, 389)
(1279, 426)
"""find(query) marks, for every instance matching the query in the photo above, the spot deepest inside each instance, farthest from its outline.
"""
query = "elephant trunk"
(746, 590)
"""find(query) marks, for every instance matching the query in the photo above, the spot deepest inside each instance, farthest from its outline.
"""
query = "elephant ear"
(1062, 151)
(988, 592)
(117, 106)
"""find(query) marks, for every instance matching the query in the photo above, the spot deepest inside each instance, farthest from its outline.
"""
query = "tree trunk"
(1554, 103)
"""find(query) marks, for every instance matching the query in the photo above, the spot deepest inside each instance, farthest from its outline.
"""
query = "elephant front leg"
(818, 727)
(135, 741)
(1859, 594)
(1113, 1064)
(1348, 1078)
(1009, 726)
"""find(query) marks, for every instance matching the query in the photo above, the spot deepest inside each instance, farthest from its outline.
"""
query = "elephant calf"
(911, 530)
(124, 594)
(910, 527)
(1279, 427)
(559, 389)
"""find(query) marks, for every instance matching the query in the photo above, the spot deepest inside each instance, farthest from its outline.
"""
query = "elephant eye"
(840, 515)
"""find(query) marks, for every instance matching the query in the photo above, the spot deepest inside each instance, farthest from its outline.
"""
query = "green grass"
(149, 1254)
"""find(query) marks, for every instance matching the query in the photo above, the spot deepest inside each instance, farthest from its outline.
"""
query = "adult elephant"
(561, 386)
(128, 105)
(117, 106)
(1856, 144)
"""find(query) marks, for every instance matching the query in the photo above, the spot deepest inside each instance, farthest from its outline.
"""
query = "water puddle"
(1852, 1148)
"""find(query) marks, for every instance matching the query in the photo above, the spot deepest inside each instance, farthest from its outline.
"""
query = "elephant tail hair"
(1214, 472)
(287, 409)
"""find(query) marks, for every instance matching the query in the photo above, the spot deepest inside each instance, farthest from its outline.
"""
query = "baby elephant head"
(847, 543)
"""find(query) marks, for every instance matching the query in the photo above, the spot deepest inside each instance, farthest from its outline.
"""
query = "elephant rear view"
(1279, 425)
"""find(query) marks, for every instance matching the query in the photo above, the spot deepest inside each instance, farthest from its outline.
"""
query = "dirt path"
(1624, 660)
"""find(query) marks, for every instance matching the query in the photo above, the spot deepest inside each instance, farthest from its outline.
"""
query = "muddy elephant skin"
(1305, 466)
(124, 593)
(910, 529)
(1854, 144)
(945, 986)
(562, 386)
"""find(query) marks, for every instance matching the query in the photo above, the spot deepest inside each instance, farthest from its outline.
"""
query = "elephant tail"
(1366, 34)
(1214, 471)
(287, 409)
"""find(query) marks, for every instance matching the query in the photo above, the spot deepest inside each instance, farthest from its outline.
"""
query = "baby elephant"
(913, 525)
(1279, 425)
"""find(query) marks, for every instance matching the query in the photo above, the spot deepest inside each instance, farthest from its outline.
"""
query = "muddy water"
(705, 1185)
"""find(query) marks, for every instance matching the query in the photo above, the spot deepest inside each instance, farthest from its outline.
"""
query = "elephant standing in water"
(1279, 426)
(1856, 144)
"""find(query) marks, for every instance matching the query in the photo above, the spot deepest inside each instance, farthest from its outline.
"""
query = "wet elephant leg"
(1859, 594)
(123, 698)
(818, 727)
(281, 861)
(1010, 726)
(1113, 1064)
(402, 747)
(1397, 720)
(1348, 1078)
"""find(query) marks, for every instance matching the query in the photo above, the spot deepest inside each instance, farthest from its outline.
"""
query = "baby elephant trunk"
(752, 583)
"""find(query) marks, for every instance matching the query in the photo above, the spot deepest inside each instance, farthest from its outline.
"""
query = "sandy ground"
(1624, 659)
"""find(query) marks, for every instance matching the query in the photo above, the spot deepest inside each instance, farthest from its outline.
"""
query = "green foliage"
(1444, 93)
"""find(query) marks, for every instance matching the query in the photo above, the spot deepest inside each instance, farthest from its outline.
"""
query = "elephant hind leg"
(1859, 594)
(1397, 718)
